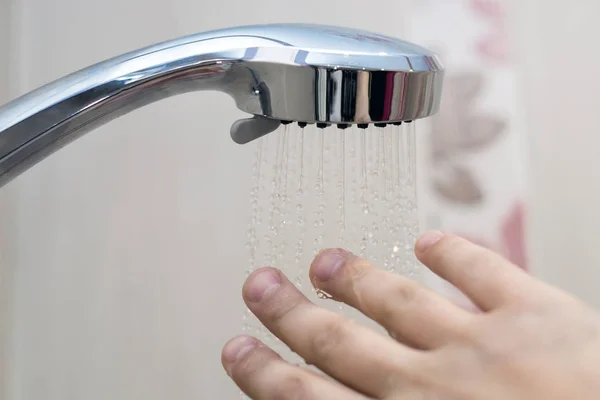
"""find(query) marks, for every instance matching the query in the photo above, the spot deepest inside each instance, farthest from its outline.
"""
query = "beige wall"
(6, 283)
(4, 40)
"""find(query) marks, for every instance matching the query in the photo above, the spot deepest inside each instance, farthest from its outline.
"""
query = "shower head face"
(330, 75)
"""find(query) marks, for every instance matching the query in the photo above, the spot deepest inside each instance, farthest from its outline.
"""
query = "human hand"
(530, 340)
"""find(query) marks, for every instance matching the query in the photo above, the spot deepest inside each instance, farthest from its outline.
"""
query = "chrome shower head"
(278, 73)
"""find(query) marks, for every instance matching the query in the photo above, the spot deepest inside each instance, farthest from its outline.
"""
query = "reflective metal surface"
(289, 72)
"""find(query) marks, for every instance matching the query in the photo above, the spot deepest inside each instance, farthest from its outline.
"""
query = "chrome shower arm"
(44, 120)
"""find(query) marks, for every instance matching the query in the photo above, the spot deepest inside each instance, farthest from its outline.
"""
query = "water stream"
(319, 188)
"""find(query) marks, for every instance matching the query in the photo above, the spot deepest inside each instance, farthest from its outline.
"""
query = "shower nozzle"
(310, 74)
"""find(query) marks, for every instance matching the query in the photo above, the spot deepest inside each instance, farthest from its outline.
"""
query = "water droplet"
(366, 210)
(323, 295)
(395, 249)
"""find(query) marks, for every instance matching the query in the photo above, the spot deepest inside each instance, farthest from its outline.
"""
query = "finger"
(263, 375)
(351, 353)
(412, 313)
(485, 277)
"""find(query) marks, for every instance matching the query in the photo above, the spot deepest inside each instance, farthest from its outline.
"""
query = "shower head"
(278, 73)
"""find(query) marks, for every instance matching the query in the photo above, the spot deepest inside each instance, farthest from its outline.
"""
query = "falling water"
(319, 188)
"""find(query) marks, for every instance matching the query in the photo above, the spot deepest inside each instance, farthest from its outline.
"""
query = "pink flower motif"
(513, 236)
(488, 8)
(493, 47)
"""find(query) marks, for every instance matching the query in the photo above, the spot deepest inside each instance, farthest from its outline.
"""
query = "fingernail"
(236, 349)
(328, 262)
(428, 240)
(262, 283)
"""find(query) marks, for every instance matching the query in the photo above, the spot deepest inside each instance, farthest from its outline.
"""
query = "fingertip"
(326, 263)
(427, 240)
(260, 283)
(235, 349)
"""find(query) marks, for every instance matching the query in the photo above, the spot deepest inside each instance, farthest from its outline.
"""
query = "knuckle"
(279, 310)
(358, 281)
(406, 292)
(357, 269)
(404, 297)
(326, 341)
(405, 379)
(292, 387)
(252, 363)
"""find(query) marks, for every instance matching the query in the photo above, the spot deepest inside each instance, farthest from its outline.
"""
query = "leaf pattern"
(463, 86)
(480, 132)
(488, 8)
(458, 185)
(457, 131)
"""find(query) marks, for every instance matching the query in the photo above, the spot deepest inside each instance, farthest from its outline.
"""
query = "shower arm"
(45, 120)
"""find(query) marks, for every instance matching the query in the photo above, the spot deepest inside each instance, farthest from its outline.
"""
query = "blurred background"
(122, 256)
